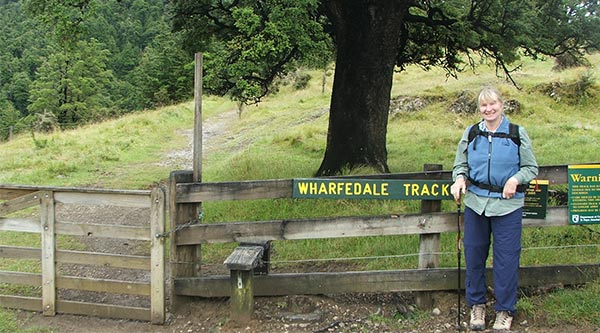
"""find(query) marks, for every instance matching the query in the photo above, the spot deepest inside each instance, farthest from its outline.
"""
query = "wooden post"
(48, 253)
(242, 295)
(198, 119)
(241, 264)
(429, 244)
(157, 256)
(184, 261)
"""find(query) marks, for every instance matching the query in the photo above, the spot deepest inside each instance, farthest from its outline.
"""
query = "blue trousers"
(506, 235)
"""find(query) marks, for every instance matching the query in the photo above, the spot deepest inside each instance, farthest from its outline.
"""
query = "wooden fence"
(54, 220)
(188, 237)
(58, 216)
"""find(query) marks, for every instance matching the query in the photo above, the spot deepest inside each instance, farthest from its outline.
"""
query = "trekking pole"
(458, 251)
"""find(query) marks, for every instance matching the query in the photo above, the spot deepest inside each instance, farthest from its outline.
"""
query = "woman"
(494, 163)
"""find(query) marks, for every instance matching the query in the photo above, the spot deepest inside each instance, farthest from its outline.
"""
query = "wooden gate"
(82, 282)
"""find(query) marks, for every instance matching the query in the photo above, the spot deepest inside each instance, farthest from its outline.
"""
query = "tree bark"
(366, 34)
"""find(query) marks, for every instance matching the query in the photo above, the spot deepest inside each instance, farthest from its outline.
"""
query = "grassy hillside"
(287, 132)
(284, 137)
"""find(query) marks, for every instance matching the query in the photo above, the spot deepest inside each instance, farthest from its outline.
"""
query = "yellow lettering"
(415, 190)
(302, 188)
(313, 188)
(384, 189)
(367, 189)
(357, 188)
(348, 188)
(331, 188)
(406, 189)
(322, 189)
(446, 189)
(434, 189)
(577, 177)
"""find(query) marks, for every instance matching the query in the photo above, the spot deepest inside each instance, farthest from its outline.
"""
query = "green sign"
(372, 189)
(536, 200)
(584, 194)
(536, 196)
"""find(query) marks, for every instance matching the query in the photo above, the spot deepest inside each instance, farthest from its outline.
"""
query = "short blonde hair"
(490, 94)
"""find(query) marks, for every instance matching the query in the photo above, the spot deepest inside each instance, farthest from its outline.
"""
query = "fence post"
(184, 261)
(157, 256)
(48, 253)
(429, 244)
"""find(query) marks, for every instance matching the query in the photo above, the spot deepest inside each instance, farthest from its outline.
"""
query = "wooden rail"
(193, 235)
(49, 225)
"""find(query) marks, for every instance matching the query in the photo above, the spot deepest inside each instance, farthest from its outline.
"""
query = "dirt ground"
(323, 313)
(391, 312)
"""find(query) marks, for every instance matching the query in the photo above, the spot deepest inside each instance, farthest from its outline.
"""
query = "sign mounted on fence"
(536, 197)
(372, 189)
(584, 194)
(536, 200)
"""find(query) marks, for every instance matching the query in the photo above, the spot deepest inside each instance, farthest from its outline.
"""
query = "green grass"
(579, 307)
(284, 137)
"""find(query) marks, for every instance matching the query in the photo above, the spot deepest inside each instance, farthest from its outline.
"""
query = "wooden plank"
(429, 244)
(103, 230)
(21, 302)
(103, 310)
(19, 203)
(555, 217)
(282, 188)
(244, 258)
(79, 257)
(18, 252)
(103, 259)
(136, 200)
(184, 261)
(339, 227)
(438, 279)
(20, 225)
(244, 190)
(11, 193)
(157, 254)
(27, 279)
(48, 254)
(78, 308)
(15, 188)
(103, 285)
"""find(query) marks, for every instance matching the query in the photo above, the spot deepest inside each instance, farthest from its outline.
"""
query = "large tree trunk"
(366, 34)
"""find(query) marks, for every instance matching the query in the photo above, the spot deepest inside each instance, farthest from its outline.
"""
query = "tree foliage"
(251, 42)
(84, 60)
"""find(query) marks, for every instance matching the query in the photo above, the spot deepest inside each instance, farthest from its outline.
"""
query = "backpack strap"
(513, 133)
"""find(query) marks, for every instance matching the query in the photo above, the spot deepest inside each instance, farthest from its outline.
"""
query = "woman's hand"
(458, 188)
(510, 188)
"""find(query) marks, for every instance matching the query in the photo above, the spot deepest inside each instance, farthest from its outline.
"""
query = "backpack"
(513, 133)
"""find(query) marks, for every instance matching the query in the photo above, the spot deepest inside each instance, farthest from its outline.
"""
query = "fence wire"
(396, 256)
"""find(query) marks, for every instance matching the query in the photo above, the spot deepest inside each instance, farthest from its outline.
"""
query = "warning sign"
(584, 194)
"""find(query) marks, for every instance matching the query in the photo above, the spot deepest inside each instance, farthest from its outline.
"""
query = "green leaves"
(263, 39)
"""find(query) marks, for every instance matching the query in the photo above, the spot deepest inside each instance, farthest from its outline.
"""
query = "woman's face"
(491, 110)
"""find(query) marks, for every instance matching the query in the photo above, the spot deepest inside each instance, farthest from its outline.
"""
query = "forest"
(67, 63)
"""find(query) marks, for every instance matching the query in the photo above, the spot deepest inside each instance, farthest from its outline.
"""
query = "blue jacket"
(492, 160)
